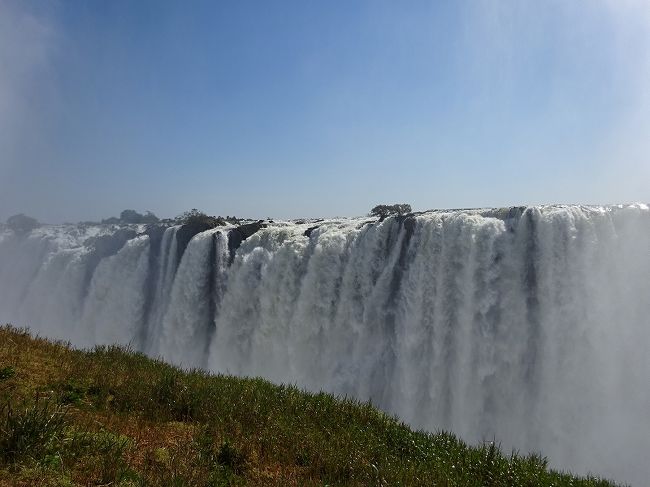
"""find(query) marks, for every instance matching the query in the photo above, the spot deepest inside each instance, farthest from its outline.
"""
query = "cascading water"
(530, 326)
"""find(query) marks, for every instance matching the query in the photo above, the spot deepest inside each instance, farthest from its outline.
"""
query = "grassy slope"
(111, 417)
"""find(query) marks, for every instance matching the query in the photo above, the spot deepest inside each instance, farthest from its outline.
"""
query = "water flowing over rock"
(530, 326)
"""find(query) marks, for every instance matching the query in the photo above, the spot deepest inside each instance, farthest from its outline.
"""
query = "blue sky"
(307, 109)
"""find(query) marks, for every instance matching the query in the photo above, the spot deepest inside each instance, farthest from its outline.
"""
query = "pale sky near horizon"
(307, 109)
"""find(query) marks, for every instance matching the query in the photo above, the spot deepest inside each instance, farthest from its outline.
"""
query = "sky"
(300, 108)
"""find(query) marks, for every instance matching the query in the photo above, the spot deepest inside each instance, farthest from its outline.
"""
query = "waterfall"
(530, 326)
(161, 292)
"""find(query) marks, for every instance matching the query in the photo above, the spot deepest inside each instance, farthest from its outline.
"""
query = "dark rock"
(155, 234)
(408, 222)
(367, 222)
(237, 235)
(309, 230)
(185, 234)
(107, 245)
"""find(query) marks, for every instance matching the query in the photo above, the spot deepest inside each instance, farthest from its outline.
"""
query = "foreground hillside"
(112, 417)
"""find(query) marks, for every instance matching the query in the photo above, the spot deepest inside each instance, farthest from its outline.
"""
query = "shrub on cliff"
(197, 217)
(132, 217)
(22, 224)
(382, 211)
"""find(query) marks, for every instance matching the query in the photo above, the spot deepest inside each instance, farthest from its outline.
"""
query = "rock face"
(409, 222)
(185, 234)
(309, 231)
(105, 246)
(237, 235)
(155, 234)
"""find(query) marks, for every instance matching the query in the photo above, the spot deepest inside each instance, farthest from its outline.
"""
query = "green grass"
(113, 417)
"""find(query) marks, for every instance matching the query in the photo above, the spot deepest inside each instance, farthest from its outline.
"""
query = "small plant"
(7, 373)
(302, 458)
(30, 429)
(205, 447)
(111, 449)
(231, 457)
(72, 393)
(171, 397)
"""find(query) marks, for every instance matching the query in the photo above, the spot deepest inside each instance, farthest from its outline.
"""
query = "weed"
(72, 393)
(7, 373)
(231, 457)
(29, 429)
(171, 397)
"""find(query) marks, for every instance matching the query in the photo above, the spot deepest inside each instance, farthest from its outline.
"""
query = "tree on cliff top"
(382, 211)
(132, 217)
(22, 224)
(197, 217)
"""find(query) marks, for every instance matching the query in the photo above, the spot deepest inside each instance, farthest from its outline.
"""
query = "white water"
(529, 327)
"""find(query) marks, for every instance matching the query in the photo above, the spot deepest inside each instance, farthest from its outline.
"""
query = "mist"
(27, 46)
